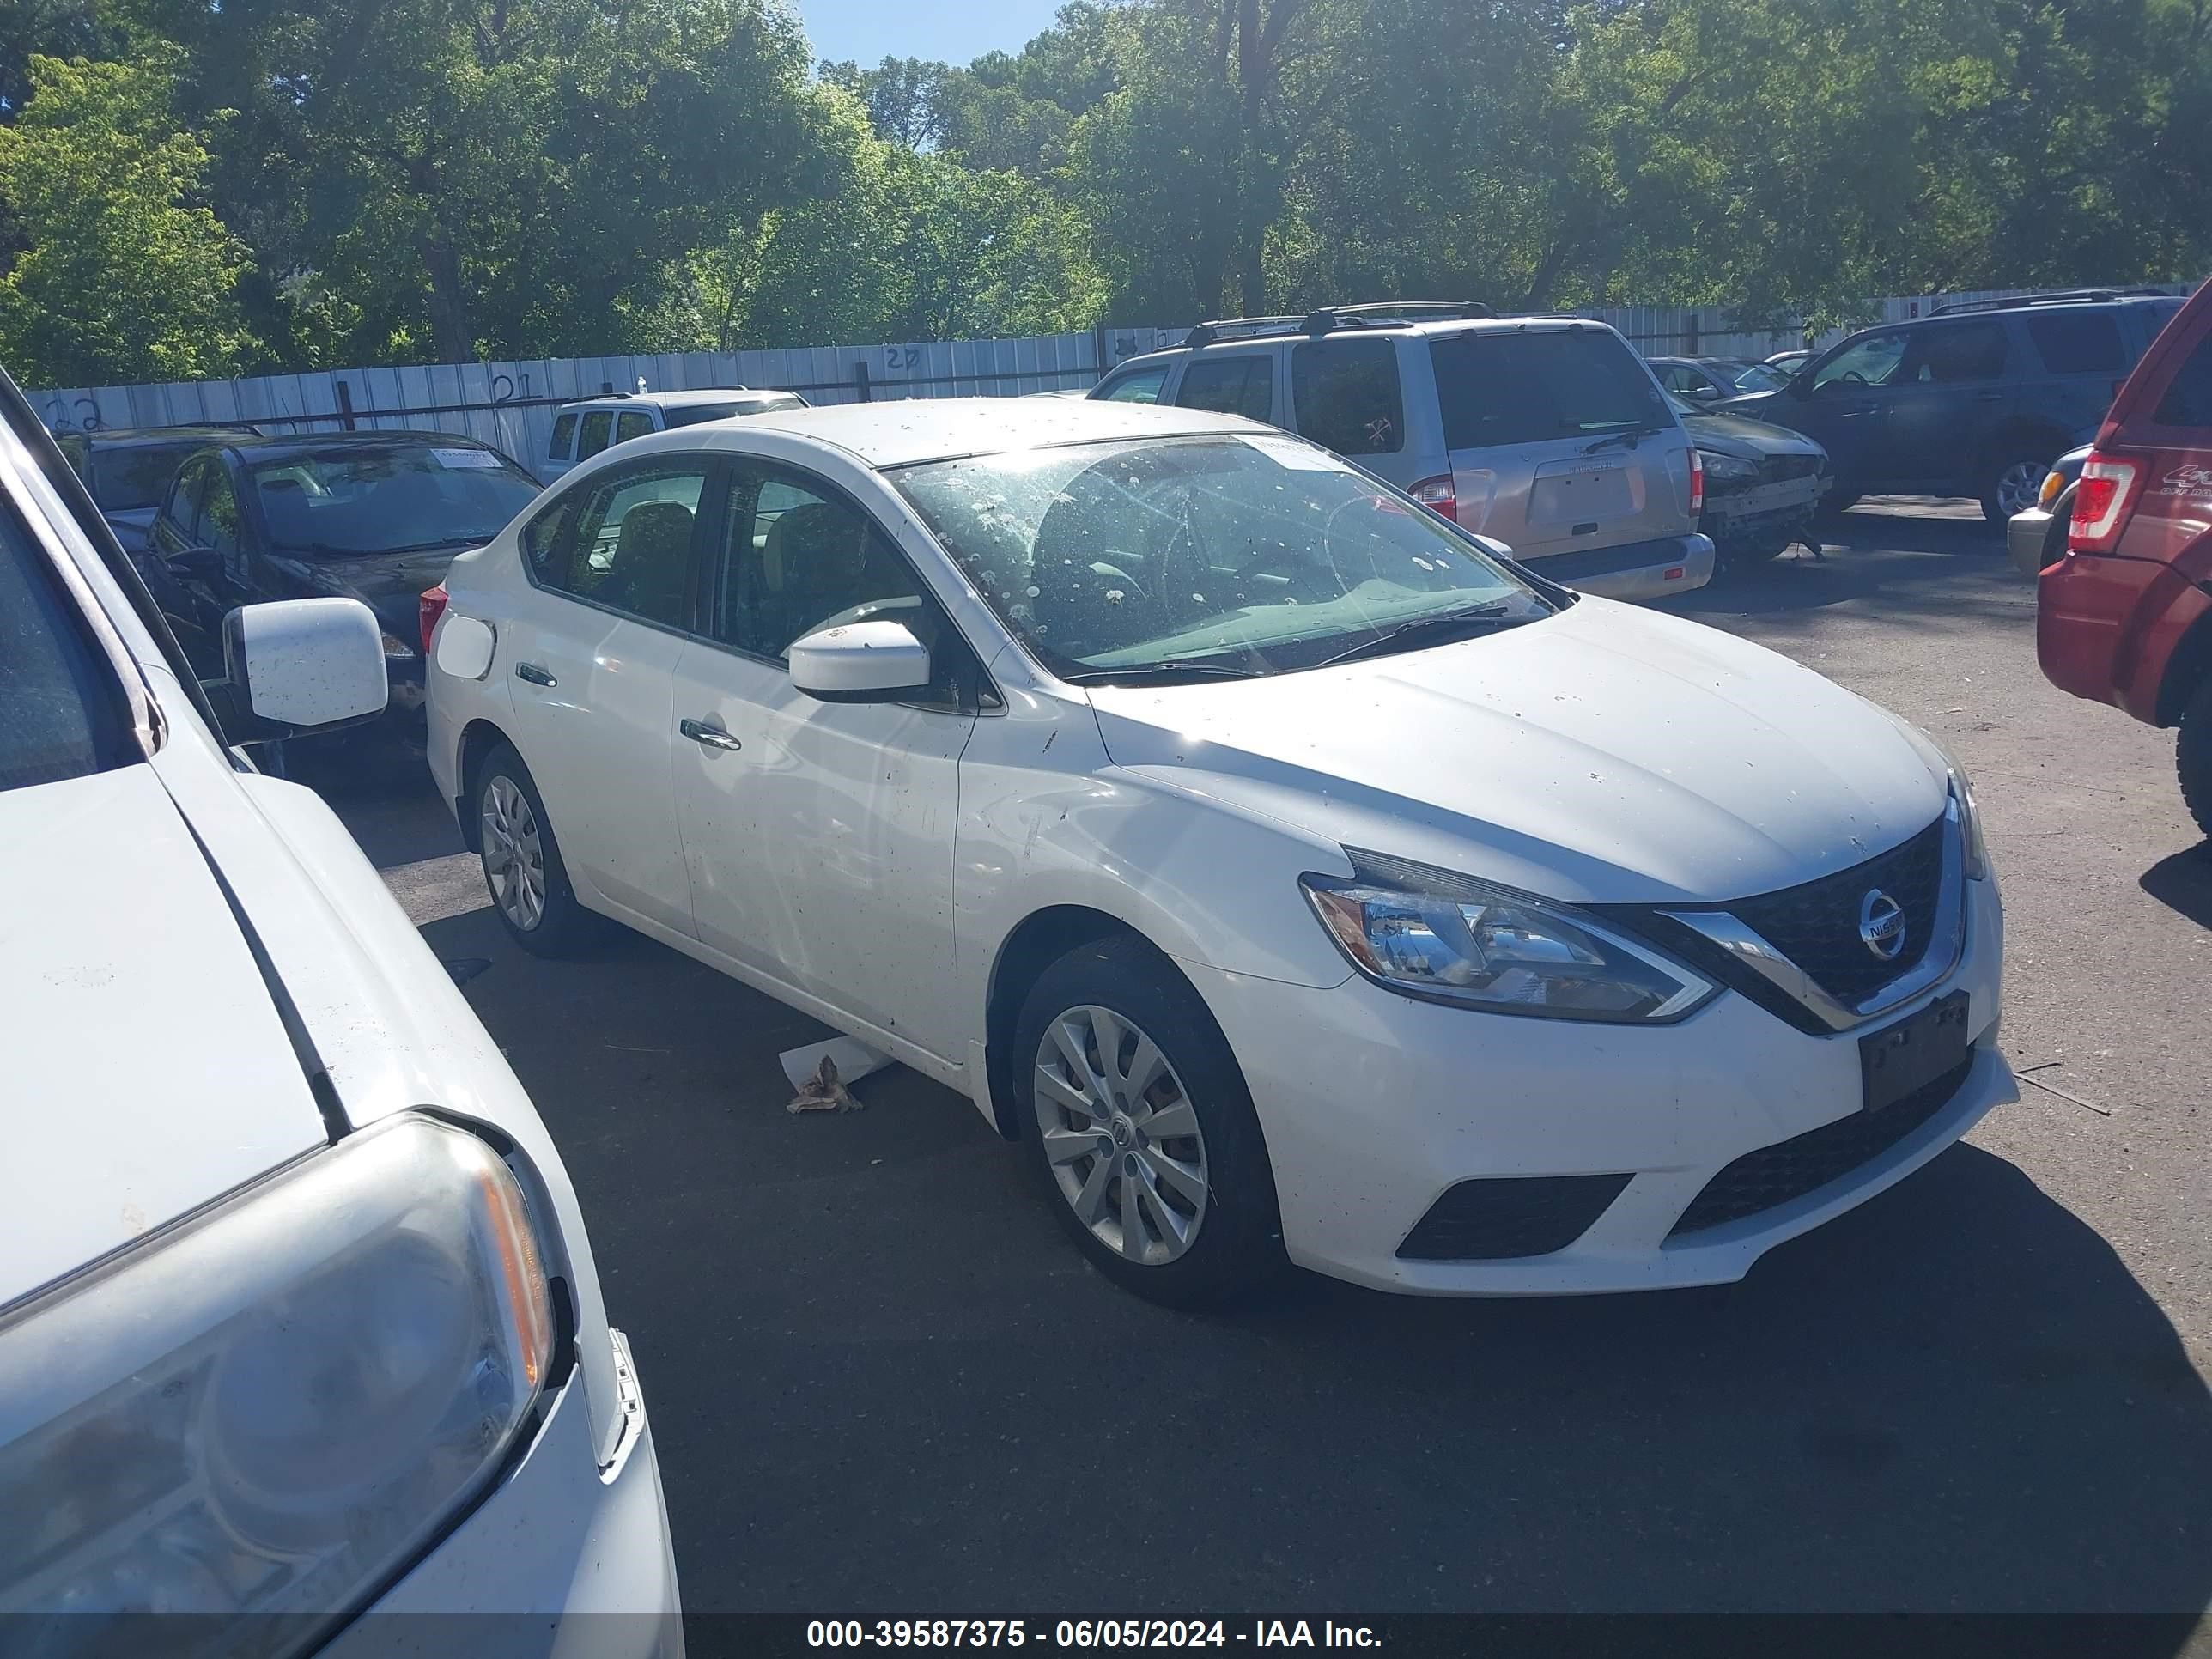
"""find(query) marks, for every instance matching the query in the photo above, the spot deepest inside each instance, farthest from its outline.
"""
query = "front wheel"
(2013, 488)
(2193, 757)
(1140, 1128)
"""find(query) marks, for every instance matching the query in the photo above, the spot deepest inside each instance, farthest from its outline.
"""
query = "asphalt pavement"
(882, 1383)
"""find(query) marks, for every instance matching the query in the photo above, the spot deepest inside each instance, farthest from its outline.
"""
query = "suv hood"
(1605, 755)
(148, 1069)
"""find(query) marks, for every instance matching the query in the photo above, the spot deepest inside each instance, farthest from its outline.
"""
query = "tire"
(541, 916)
(2013, 485)
(1208, 1232)
(2193, 758)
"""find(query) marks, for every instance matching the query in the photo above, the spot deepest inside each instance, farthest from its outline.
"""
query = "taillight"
(1697, 483)
(2102, 501)
(1439, 495)
(430, 608)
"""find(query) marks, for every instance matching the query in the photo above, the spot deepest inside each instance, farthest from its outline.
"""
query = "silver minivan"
(1547, 434)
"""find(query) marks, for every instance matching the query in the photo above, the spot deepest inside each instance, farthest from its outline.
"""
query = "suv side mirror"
(196, 563)
(298, 666)
(861, 662)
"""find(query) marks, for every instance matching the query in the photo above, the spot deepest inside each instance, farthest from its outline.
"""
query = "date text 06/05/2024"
(1085, 1634)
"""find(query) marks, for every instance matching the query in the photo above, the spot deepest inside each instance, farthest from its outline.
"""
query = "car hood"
(390, 584)
(1729, 433)
(1607, 754)
(148, 1071)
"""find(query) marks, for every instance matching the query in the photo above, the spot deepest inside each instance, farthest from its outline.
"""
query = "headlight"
(1977, 851)
(1729, 469)
(396, 649)
(274, 1410)
(1449, 938)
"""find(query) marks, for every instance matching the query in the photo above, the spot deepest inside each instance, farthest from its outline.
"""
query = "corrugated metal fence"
(511, 404)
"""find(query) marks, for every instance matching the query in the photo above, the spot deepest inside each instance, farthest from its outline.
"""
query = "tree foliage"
(429, 179)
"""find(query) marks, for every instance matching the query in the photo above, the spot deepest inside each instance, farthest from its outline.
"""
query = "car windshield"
(129, 478)
(1218, 554)
(60, 709)
(403, 498)
(1760, 377)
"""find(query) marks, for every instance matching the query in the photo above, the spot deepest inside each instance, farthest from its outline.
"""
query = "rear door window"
(564, 434)
(1518, 388)
(2187, 400)
(2078, 342)
(598, 429)
(1235, 383)
(627, 543)
(1946, 354)
(1348, 395)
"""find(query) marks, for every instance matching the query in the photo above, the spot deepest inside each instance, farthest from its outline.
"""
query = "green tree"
(121, 275)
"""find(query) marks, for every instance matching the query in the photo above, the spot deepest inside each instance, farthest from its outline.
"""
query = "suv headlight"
(275, 1409)
(1448, 938)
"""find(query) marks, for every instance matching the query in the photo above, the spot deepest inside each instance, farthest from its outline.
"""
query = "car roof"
(121, 437)
(904, 432)
(683, 399)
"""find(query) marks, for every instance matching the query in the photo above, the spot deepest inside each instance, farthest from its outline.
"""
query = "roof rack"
(2068, 297)
(1383, 313)
(1238, 328)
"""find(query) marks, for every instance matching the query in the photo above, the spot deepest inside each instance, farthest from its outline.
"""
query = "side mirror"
(300, 666)
(197, 563)
(860, 662)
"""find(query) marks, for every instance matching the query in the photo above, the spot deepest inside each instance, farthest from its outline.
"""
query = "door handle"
(1989, 396)
(534, 674)
(708, 737)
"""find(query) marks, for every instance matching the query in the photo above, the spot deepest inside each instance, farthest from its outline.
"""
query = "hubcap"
(514, 855)
(2018, 486)
(1120, 1135)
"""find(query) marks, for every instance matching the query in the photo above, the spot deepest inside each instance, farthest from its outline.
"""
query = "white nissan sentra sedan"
(1289, 873)
(299, 1324)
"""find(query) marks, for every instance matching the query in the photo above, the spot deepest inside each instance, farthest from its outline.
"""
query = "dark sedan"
(1709, 380)
(374, 516)
(1763, 484)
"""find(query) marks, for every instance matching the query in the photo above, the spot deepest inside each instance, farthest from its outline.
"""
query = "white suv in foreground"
(299, 1324)
(1289, 874)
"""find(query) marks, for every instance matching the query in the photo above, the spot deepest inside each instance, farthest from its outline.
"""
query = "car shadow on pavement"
(2182, 883)
(881, 1381)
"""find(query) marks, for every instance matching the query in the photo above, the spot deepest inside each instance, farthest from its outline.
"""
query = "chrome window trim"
(1942, 959)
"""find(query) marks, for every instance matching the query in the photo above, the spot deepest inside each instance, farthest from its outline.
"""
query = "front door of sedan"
(590, 650)
(819, 836)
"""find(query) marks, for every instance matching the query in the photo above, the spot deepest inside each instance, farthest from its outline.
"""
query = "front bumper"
(2028, 538)
(1764, 514)
(1639, 570)
(1374, 1105)
(561, 1558)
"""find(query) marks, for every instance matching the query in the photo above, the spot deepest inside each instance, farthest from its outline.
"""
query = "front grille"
(1816, 924)
(1504, 1217)
(1789, 1170)
(1776, 468)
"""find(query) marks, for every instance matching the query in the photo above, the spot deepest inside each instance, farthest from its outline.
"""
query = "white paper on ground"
(855, 1059)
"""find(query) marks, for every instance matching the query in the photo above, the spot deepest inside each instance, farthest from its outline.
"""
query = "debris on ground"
(823, 1092)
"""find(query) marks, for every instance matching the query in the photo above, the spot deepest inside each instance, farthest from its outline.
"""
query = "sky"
(955, 31)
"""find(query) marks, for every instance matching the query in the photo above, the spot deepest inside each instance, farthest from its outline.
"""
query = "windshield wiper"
(1479, 618)
(1628, 437)
(1158, 671)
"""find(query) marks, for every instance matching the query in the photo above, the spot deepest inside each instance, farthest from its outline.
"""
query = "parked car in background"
(583, 429)
(1788, 364)
(1763, 484)
(298, 1317)
(1976, 398)
(1547, 433)
(2036, 536)
(1287, 874)
(374, 516)
(1709, 380)
(2125, 617)
(128, 469)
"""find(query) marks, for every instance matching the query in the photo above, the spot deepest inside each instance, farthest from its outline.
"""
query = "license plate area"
(1900, 1059)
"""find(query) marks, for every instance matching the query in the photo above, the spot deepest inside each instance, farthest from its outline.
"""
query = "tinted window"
(799, 556)
(598, 427)
(1348, 397)
(564, 434)
(626, 542)
(692, 414)
(2187, 397)
(397, 499)
(1241, 384)
(2077, 342)
(1944, 353)
(1139, 386)
(182, 501)
(1501, 388)
(60, 710)
(124, 480)
(632, 423)
(216, 525)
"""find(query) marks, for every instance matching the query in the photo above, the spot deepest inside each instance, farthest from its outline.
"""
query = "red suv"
(2125, 617)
